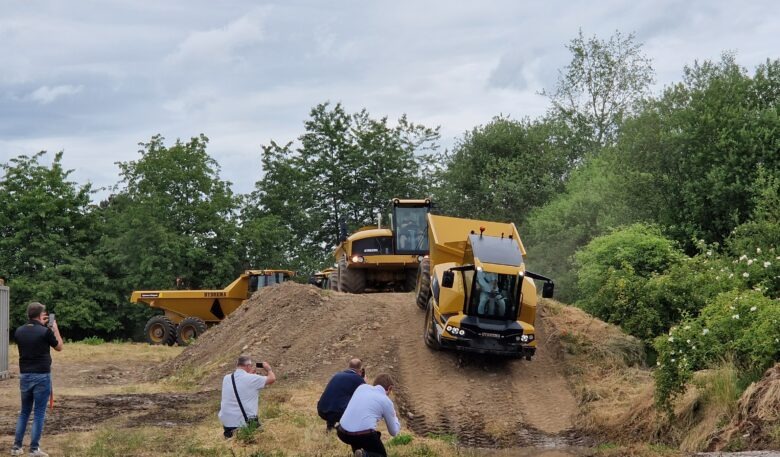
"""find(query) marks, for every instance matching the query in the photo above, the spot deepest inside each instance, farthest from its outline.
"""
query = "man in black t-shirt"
(34, 340)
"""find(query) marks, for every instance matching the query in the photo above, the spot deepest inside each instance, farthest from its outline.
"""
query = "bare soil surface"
(88, 392)
(309, 334)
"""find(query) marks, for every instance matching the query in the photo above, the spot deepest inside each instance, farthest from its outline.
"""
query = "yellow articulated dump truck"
(477, 293)
(188, 313)
(321, 279)
(384, 258)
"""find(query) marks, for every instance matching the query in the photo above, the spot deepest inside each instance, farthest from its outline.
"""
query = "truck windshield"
(411, 230)
(269, 279)
(494, 296)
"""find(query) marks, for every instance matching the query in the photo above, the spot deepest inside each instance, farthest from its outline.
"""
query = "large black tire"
(189, 329)
(423, 287)
(160, 330)
(429, 332)
(410, 280)
(333, 281)
(351, 280)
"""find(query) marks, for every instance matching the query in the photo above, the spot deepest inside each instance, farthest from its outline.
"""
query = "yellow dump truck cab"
(321, 279)
(384, 258)
(481, 298)
(188, 313)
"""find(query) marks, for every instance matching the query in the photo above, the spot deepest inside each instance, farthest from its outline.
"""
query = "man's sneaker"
(16, 451)
(360, 453)
(38, 453)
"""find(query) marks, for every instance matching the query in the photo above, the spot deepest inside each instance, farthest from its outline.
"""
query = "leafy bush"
(742, 324)
(93, 340)
(400, 440)
(613, 271)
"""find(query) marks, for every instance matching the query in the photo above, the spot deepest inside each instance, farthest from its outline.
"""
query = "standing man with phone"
(35, 338)
(241, 393)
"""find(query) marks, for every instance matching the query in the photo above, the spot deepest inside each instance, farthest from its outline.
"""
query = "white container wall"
(4, 335)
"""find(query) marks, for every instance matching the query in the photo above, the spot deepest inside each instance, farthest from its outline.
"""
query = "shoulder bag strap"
(235, 390)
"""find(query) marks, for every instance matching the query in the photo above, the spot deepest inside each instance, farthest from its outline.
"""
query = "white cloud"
(45, 94)
(244, 74)
(221, 45)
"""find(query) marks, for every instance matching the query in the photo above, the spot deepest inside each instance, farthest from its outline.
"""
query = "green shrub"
(613, 272)
(744, 325)
(248, 433)
(93, 340)
(687, 287)
(400, 440)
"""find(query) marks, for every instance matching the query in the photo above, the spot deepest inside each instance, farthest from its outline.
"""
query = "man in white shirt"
(235, 413)
(368, 405)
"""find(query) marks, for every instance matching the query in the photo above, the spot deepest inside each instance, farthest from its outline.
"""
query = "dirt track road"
(485, 401)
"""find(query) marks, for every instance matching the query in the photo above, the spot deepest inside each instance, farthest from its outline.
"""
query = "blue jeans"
(35, 388)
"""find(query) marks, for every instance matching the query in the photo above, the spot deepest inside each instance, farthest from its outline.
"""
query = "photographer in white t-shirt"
(241, 393)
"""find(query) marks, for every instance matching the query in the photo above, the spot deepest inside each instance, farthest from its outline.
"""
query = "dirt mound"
(302, 331)
(307, 334)
(756, 425)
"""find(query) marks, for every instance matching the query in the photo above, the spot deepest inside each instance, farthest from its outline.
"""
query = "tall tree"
(697, 149)
(48, 238)
(504, 169)
(346, 167)
(601, 85)
(173, 217)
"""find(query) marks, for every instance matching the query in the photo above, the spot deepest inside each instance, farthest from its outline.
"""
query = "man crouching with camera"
(241, 393)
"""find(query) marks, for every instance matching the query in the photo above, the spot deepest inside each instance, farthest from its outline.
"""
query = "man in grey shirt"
(369, 405)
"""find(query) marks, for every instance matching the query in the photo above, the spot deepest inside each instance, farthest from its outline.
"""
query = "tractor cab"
(410, 226)
(264, 278)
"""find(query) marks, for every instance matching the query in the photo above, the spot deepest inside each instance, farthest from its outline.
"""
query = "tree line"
(632, 201)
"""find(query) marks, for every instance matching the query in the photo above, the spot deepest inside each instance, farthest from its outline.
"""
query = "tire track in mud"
(484, 401)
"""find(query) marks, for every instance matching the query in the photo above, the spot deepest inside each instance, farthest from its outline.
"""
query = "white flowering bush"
(743, 324)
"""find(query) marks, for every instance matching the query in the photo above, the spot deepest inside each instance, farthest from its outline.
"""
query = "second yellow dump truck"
(188, 313)
(475, 289)
(384, 258)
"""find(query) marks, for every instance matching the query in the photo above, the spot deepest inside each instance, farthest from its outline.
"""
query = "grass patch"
(449, 438)
(248, 433)
(401, 439)
(141, 442)
(93, 341)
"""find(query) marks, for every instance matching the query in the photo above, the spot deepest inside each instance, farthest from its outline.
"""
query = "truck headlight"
(455, 330)
(357, 259)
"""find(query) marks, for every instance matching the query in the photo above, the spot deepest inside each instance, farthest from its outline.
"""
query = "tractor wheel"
(333, 281)
(429, 332)
(160, 330)
(351, 280)
(410, 280)
(189, 329)
(423, 288)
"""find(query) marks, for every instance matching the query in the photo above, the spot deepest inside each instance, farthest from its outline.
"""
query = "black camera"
(259, 365)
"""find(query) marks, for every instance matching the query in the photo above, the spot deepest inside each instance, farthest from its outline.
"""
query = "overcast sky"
(95, 78)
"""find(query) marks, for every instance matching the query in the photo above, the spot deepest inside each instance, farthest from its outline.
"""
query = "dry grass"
(109, 353)
(616, 391)
(604, 366)
(291, 427)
